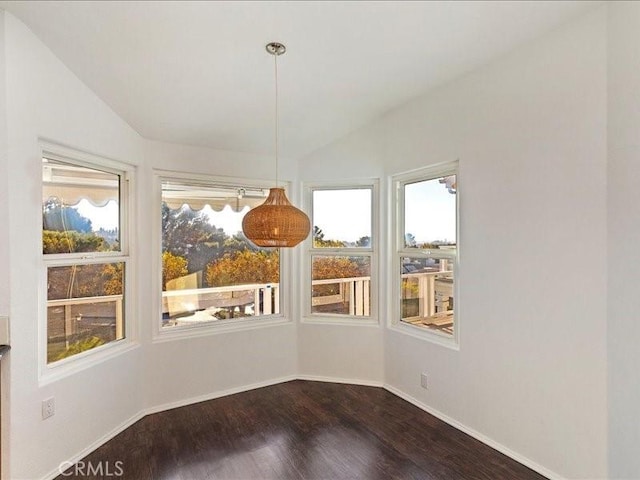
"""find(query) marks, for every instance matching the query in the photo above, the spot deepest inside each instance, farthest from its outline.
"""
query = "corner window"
(426, 250)
(211, 273)
(85, 250)
(341, 254)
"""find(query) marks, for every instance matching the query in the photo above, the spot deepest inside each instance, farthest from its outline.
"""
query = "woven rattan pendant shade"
(276, 223)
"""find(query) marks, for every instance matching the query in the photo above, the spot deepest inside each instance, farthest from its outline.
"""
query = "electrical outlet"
(423, 380)
(48, 408)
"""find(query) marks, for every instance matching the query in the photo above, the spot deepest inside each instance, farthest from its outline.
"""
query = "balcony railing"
(75, 309)
(433, 292)
(204, 304)
(354, 293)
(424, 295)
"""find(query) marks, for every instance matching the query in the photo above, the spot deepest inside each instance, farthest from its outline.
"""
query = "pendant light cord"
(275, 59)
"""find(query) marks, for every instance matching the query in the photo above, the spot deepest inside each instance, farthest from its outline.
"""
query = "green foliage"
(173, 266)
(189, 234)
(318, 234)
(56, 216)
(237, 243)
(72, 242)
(112, 237)
(244, 267)
(334, 267)
(364, 242)
(319, 241)
(73, 281)
(79, 347)
(436, 244)
(410, 240)
(80, 281)
(410, 288)
(111, 277)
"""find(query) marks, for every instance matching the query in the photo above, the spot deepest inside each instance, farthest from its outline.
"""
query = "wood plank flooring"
(300, 430)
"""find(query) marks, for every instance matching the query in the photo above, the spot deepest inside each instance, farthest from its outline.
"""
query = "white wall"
(624, 238)
(44, 99)
(346, 353)
(530, 133)
(201, 367)
(4, 240)
(4, 184)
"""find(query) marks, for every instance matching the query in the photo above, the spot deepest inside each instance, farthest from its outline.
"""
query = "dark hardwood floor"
(299, 430)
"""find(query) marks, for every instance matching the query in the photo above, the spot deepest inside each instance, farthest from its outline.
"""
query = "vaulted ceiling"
(197, 72)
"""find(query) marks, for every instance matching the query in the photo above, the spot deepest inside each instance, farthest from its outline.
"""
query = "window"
(86, 254)
(426, 250)
(211, 273)
(341, 253)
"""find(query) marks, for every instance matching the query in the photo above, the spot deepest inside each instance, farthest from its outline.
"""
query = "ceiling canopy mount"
(276, 48)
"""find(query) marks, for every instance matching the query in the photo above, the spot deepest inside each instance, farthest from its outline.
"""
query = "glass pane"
(351, 227)
(430, 213)
(427, 293)
(85, 308)
(341, 285)
(80, 209)
(210, 271)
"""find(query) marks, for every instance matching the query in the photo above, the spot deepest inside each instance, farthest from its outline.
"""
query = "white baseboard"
(98, 443)
(218, 394)
(477, 435)
(314, 378)
(160, 408)
(350, 381)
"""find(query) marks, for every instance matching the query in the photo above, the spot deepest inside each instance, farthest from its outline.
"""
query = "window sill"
(82, 361)
(204, 329)
(443, 340)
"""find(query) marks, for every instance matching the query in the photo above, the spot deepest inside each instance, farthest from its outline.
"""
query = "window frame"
(49, 372)
(398, 250)
(371, 252)
(160, 334)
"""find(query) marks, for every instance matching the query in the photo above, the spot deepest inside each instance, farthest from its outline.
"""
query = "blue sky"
(430, 211)
(341, 214)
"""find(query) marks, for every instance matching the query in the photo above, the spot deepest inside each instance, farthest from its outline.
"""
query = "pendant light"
(276, 223)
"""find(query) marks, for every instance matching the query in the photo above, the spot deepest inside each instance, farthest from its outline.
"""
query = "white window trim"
(396, 228)
(372, 252)
(48, 373)
(159, 334)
